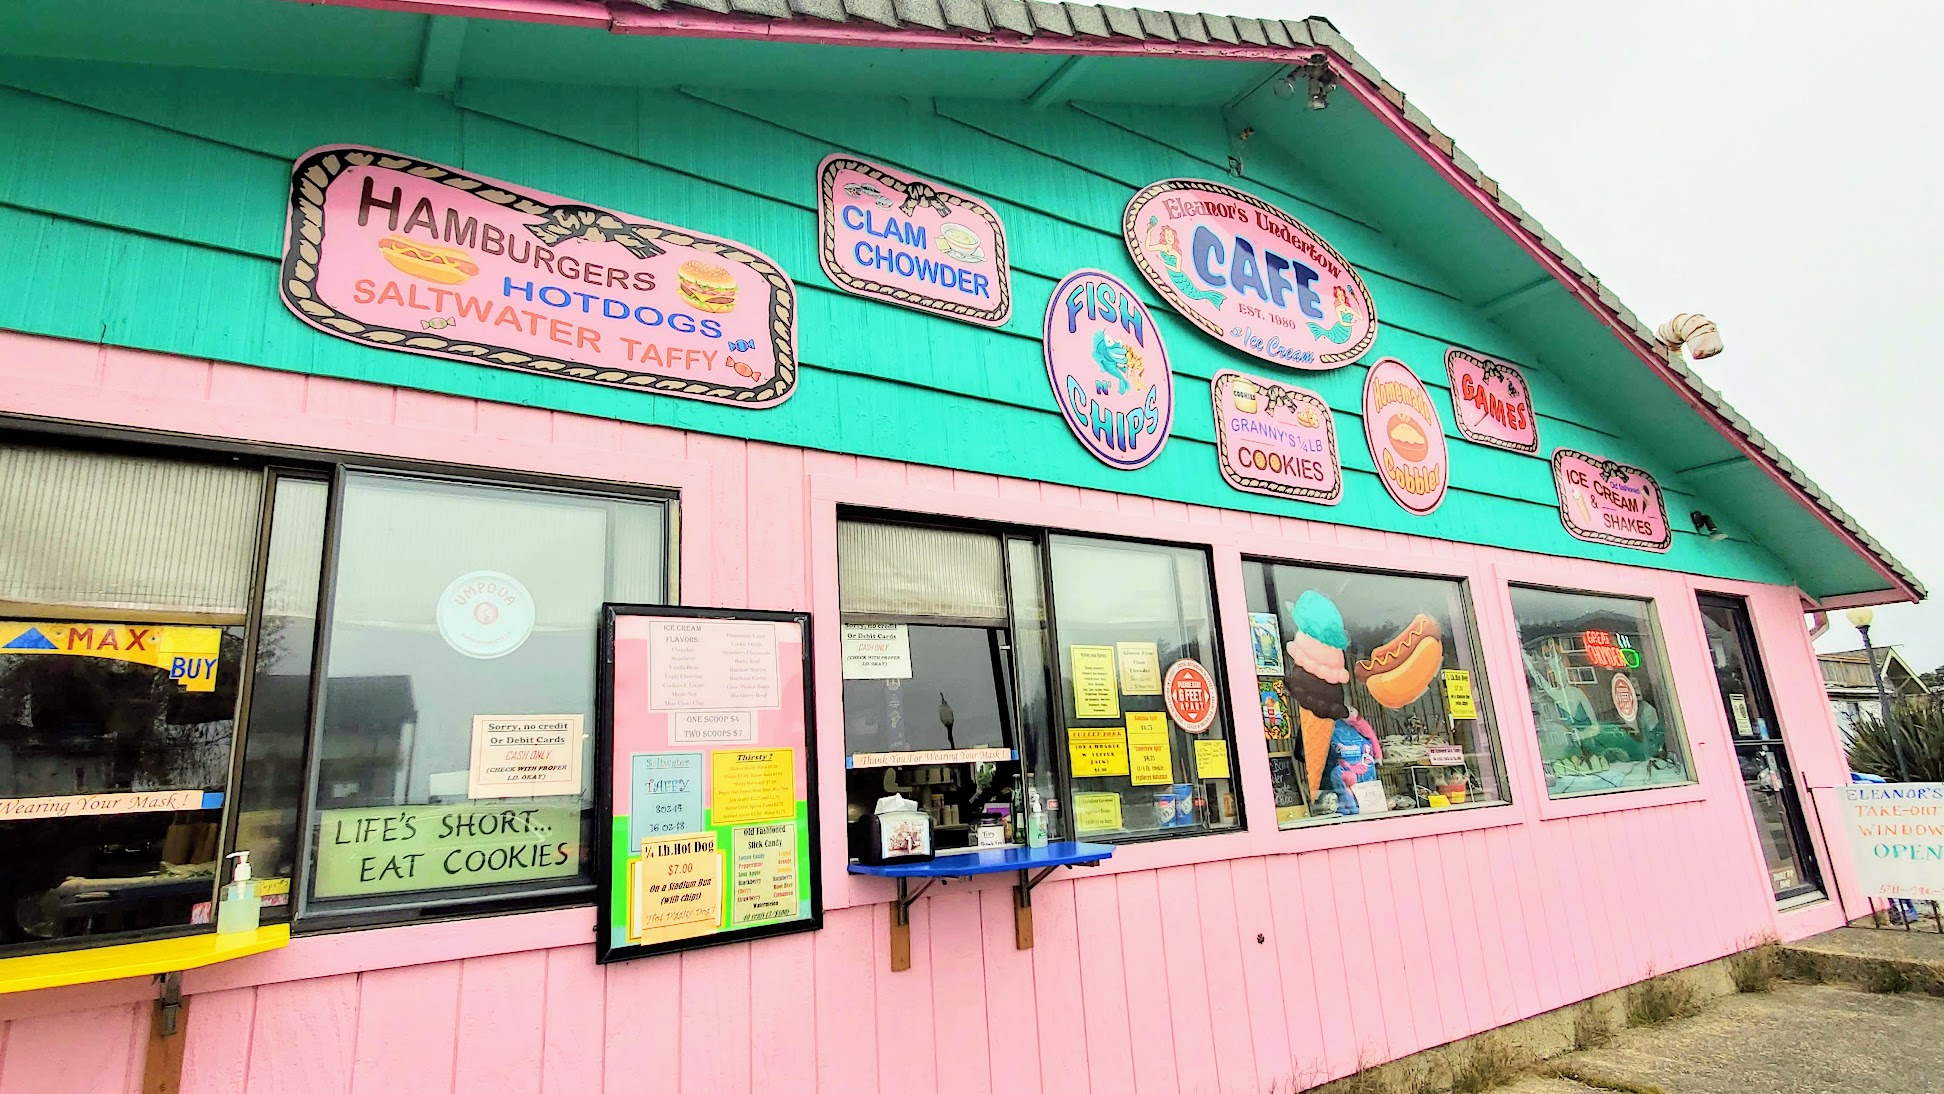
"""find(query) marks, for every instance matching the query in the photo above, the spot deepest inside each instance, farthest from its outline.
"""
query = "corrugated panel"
(79, 528)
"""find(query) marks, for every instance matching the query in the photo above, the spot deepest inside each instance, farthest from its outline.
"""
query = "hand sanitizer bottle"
(238, 912)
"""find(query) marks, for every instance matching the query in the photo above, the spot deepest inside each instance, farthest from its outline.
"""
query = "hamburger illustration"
(1407, 437)
(706, 286)
(428, 261)
(1243, 394)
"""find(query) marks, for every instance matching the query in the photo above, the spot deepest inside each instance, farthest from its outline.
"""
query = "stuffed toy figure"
(1353, 757)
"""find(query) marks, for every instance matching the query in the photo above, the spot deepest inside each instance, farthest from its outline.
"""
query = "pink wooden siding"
(1225, 963)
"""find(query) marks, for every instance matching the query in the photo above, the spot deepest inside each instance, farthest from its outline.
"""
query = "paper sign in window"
(1458, 694)
(751, 785)
(188, 654)
(674, 888)
(1149, 760)
(1140, 667)
(1095, 694)
(763, 870)
(1097, 753)
(877, 651)
(1211, 760)
(1097, 812)
(525, 756)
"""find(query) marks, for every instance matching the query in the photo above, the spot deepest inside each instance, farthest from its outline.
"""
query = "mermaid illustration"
(1346, 316)
(1165, 243)
(1119, 363)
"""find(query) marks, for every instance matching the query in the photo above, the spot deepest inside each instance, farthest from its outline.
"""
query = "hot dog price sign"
(399, 253)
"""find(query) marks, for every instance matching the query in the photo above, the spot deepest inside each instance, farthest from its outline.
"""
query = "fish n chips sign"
(398, 253)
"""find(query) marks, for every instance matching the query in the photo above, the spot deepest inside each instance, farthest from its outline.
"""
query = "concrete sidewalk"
(1797, 1039)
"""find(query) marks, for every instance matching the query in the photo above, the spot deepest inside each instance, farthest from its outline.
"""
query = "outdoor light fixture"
(1705, 525)
(1320, 78)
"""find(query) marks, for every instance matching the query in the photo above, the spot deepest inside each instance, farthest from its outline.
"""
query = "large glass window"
(955, 699)
(462, 615)
(1372, 696)
(1601, 699)
(124, 589)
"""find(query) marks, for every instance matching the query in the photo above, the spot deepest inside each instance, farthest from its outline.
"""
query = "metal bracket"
(170, 1002)
(906, 900)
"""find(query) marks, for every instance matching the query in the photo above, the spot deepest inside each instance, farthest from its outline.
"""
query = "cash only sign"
(398, 253)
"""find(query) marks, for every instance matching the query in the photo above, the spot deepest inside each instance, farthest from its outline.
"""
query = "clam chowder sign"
(393, 252)
(1108, 369)
(894, 237)
(1249, 274)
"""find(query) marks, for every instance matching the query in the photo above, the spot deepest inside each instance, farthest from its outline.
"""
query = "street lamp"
(1861, 618)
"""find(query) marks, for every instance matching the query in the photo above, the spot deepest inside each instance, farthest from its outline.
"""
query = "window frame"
(1609, 799)
(1041, 537)
(1481, 688)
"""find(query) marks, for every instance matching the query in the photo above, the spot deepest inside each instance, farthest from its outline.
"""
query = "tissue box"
(904, 836)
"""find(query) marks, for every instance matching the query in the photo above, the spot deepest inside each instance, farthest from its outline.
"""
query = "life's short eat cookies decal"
(399, 253)
(1407, 440)
(894, 237)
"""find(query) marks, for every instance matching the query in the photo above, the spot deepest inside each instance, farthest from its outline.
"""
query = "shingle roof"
(1300, 38)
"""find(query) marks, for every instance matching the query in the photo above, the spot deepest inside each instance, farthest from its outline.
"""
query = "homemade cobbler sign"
(1275, 439)
(893, 237)
(398, 253)
(1249, 274)
(1407, 440)
(1491, 402)
(1108, 369)
(1601, 501)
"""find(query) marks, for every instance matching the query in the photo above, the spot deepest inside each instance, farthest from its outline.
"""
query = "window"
(457, 610)
(124, 589)
(1619, 731)
(950, 683)
(1372, 696)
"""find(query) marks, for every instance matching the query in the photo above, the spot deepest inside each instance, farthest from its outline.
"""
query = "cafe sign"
(890, 236)
(398, 253)
(1249, 274)
(1108, 369)
(1601, 501)
(1491, 402)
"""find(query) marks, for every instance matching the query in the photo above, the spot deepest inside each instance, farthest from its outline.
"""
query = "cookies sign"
(1249, 274)
(397, 253)
(888, 235)
(1275, 439)
(1601, 501)
(1407, 440)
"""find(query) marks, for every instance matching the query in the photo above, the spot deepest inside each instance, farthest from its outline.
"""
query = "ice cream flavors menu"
(712, 835)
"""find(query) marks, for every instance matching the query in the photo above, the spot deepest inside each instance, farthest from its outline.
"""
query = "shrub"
(1592, 1027)
(1652, 1002)
(1919, 724)
(1755, 969)
(1490, 1062)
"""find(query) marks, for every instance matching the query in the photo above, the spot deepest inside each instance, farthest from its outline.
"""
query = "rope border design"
(1491, 366)
(1283, 395)
(1131, 238)
(311, 178)
(1612, 469)
(995, 316)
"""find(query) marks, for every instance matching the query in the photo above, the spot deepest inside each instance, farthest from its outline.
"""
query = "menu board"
(707, 768)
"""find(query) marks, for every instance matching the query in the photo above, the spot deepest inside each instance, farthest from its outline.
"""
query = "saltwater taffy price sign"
(1249, 274)
(397, 253)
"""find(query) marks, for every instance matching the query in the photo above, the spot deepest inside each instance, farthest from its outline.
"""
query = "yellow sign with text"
(748, 786)
(675, 888)
(1149, 760)
(188, 654)
(1140, 667)
(1097, 753)
(1095, 691)
(1458, 694)
(1096, 813)
(1211, 760)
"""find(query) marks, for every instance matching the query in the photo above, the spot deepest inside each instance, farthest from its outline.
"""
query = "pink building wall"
(1220, 963)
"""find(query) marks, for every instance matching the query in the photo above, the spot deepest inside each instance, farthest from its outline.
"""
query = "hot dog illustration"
(428, 261)
(1399, 670)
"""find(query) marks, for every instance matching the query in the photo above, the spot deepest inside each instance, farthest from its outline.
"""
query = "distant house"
(1852, 693)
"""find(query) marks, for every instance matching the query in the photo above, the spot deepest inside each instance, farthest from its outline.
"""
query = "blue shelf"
(1000, 860)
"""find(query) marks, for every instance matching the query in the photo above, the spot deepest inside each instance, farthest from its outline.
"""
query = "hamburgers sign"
(397, 253)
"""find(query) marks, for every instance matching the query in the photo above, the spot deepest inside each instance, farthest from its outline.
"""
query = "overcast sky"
(1773, 165)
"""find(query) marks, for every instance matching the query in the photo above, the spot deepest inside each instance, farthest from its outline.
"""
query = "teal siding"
(144, 206)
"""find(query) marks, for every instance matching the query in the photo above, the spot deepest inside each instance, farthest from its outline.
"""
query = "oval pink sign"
(1601, 501)
(1406, 437)
(885, 234)
(1249, 274)
(399, 253)
(1108, 369)
(1492, 402)
(1273, 438)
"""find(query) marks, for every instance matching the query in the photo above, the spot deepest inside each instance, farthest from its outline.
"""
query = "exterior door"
(1763, 755)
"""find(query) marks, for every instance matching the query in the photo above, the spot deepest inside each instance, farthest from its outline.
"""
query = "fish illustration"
(742, 345)
(866, 190)
(1118, 362)
(441, 323)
